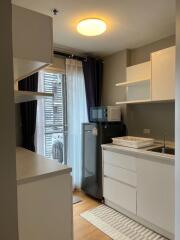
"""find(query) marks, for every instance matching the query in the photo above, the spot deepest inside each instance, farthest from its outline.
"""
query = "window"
(51, 117)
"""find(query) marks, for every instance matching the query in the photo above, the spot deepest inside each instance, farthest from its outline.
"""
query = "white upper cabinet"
(32, 41)
(163, 74)
(151, 81)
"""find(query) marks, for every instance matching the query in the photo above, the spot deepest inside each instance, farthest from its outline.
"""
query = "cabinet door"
(163, 74)
(155, 197)
(25, 24)
(30, 54)
(45, 209)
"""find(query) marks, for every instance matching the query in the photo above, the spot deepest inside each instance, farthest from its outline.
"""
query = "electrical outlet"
(146, 131)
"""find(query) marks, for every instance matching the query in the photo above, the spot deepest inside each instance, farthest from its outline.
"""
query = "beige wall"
(177, 157)
(142, 54)
(138, 116)
(8, 186)
(114, 72)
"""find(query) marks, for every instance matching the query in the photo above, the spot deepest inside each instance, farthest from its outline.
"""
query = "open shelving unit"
(30, 56)
(137, 85)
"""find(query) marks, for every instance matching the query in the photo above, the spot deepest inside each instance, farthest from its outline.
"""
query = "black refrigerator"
(94, 135)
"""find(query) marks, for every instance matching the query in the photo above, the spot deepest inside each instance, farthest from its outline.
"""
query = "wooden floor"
(83, 230)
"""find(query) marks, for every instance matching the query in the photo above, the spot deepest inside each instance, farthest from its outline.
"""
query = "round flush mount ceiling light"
(91, 27)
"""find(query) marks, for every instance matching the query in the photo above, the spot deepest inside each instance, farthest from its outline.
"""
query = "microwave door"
(100, 114)
(94, 114)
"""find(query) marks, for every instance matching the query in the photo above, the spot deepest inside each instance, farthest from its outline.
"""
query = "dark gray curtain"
(28, 112)
(93, 74)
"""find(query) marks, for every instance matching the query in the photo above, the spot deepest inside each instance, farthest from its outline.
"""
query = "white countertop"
(141, 152)
(31, 166)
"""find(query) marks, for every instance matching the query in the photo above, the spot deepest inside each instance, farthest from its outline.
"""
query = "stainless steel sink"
(162, 149)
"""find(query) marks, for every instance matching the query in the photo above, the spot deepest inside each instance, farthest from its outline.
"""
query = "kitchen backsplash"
(159, 118)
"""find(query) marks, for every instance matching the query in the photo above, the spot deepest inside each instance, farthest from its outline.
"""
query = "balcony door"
(51, 130)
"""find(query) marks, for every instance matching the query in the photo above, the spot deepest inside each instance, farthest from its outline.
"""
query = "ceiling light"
(91, 27)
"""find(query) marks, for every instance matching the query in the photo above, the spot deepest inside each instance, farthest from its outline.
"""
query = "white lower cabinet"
(120, 179)
(142, 187)
(155, 198)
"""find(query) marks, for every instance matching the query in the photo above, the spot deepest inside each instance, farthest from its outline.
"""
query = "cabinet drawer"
(120, 160)
(120, 194)
(120, 174)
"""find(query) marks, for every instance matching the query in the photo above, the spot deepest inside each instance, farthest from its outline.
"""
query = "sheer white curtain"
(76, 115)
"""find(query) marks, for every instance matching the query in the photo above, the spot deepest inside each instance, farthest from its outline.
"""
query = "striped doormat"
(118, 226)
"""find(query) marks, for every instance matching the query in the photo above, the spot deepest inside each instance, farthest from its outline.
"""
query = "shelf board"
(134, 101)
(146, 101)
(24, 68)
(128, 83)
(26, 96)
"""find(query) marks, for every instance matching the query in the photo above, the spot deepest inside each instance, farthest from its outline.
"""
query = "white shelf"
(26, 96)
(24, 68)
(137, 84)
(128, 83)
(134, 102)
(146, 101)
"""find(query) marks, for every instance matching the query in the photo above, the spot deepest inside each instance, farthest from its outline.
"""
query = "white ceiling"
(131, 23)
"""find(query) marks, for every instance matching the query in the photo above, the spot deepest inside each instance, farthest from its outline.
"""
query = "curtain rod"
(69, 55)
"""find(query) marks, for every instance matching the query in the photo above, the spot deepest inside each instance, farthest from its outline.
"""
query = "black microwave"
(105, 114)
